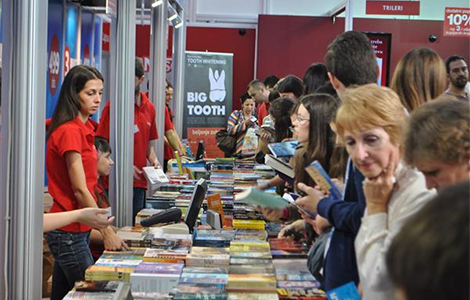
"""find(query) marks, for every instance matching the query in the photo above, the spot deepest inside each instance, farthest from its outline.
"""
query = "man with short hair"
(457, 74)
(350, 60)
(258, 91)
(145, 133)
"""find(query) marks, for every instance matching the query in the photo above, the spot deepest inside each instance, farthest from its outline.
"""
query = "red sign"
(106, 37)
(208, 136)
(457, 22)
(66, 60)
(54, 65)
(408, 8)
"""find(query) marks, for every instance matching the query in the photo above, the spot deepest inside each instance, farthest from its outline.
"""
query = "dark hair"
(327, 88)
(102, 145)
(244, 97)
(139, 68)
(315, 77)
(321, 139)
(351, 59)
(290, 84)
(450, 59)
(270, 81)
(69, 104)
(168, 84)
(429, 257)
(281, 110)
(273, 95)
(255, 84)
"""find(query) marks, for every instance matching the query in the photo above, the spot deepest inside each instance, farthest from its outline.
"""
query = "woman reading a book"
(71, 165)
(240, 121)
(369, 123)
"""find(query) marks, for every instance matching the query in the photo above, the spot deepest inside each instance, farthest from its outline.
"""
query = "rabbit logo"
(217, 83)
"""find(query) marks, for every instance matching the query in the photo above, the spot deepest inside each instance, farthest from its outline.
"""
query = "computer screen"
(198, 196)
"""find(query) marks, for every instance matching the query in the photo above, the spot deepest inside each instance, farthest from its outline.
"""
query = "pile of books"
(287, 248)
(249, 224)
(208, 257)
(156, 277)
(135, 236)
(113, 267)
(298, 284)
(102, 290)
(201, 283)
(213, 238)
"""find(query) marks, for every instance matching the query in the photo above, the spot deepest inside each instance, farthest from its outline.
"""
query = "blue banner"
(98, 33)
(54, 54)
(71, 34)
(86, 38)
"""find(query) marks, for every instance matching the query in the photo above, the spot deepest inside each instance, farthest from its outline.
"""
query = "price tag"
(457, 22)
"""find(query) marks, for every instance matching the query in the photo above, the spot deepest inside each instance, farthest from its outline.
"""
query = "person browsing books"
(437, 140)
(240, 121)
(71, 165)
(369, 124)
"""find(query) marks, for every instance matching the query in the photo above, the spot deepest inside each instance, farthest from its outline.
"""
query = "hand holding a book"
(378, 191)
(319, 224)
(95, 217)
(312, 198)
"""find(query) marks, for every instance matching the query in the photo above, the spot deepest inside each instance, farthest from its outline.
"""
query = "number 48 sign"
(457, 22)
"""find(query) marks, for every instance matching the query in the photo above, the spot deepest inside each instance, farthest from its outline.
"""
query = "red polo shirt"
(145, 130)
(263, 111)
(168, 151)
(78, 137)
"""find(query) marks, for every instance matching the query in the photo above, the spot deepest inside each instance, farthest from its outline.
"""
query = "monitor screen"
(198, 196)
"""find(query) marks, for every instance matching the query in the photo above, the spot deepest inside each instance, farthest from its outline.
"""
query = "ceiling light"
(157, 3)
(172, 13)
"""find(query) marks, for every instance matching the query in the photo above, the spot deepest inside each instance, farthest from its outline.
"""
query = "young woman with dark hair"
(71, 165)
(315, 77)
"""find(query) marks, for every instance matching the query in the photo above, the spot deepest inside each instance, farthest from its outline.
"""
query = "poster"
(382, 42)
(54, 55)
(457, 22)
(97, 33)
(207, 98)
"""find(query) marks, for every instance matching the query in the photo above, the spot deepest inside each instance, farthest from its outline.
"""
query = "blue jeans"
(72, 257)
(138, 202)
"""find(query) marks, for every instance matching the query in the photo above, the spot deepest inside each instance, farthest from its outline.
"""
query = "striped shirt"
(236, 127)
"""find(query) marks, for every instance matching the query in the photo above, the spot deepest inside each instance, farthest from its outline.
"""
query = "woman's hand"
(378, 190)
(112, 241)
(311, 200)
(297, 226)
(94, 217)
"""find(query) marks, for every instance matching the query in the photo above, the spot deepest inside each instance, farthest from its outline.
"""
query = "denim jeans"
(72, 257)
(138, 202)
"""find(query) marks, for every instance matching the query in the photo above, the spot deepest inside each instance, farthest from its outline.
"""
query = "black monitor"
(200, 150)
(197, 198)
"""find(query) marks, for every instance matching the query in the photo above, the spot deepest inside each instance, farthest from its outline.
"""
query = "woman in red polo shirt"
(71, 165)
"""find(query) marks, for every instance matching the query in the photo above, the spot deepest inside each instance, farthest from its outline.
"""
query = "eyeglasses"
(301, 120)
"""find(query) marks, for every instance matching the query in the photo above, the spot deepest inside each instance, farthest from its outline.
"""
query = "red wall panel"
(288, 45)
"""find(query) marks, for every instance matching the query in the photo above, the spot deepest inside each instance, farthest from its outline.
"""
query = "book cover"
(321, 178)
(214, 203)
(283, 149)
(280, 166)
(155, 176)
(259, 198)
(347, 291)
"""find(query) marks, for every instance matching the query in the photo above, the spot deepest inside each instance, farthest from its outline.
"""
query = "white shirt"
(377, 231)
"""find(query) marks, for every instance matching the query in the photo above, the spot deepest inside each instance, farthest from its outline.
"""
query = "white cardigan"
(377, 231)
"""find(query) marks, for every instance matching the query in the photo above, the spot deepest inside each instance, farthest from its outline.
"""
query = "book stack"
(162, 199)
(287, 248)
(175, 255)
(202, 283)
(113, 267)
(213, 238)
(250, 235)
(135, 236)
(102, 290)
(298, 284)
(208, 257)
(249, 224)
(251, 272)
(156, 277)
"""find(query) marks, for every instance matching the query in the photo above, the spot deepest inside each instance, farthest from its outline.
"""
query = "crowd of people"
(395, 152)
(390, 150)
